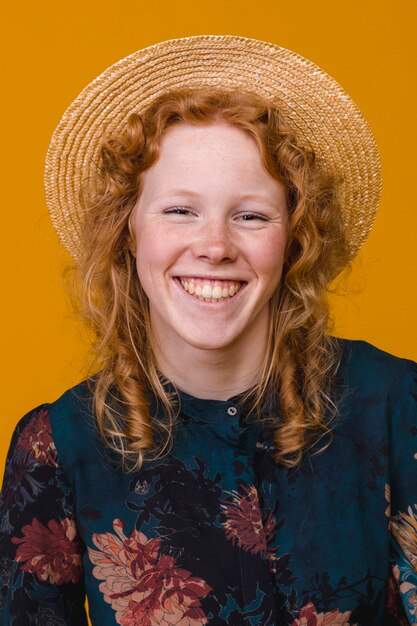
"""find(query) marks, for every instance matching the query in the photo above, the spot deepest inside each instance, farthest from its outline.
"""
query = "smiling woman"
(215, 241)
(237, 440)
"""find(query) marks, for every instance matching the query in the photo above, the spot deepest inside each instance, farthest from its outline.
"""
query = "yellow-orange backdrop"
(51, 50)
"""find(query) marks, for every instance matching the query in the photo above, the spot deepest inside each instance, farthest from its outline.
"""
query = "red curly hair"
(300, 365)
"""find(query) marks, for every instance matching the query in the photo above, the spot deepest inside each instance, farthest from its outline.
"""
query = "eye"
(250, 215)
(178, 210)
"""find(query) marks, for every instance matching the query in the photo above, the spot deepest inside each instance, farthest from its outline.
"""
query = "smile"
(210, 290)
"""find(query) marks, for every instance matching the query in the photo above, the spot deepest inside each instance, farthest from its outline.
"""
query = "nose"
(215, 243)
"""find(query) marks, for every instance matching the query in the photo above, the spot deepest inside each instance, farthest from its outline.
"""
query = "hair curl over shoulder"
(300, 366)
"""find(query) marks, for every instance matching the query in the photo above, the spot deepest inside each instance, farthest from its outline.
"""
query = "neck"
(216, 374)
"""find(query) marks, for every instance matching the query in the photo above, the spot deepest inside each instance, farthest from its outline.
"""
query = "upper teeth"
(213, 289)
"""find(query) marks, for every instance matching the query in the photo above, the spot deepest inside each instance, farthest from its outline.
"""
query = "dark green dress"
(216, 532)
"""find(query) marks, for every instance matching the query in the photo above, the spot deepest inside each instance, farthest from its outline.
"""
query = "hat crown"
(320, 112)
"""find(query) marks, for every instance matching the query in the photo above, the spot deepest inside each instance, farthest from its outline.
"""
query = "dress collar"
(206, 410)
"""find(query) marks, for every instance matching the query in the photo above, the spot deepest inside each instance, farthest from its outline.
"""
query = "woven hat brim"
(319, 110)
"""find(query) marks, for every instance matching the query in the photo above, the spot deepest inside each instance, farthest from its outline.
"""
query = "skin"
(209, 209)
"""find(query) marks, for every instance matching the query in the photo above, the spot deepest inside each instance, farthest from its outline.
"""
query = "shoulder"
(63, 429)
(72, 412)
(32, 440)
(67, 416)
(370, 370)
(378, 394)
(73, 426)
(380, 397)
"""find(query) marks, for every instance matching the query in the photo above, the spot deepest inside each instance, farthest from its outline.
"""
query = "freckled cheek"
(155, 255)
(269, 257)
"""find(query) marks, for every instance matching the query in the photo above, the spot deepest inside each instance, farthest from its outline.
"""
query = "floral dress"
(216, 532)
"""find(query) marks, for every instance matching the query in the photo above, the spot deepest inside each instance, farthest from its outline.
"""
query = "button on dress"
(216, 532)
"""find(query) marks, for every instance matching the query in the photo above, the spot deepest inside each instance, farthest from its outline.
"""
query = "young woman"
(227, 461)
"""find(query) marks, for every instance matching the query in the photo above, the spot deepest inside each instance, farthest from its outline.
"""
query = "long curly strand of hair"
(302, 359)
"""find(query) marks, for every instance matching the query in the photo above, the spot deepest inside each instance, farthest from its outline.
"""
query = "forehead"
(218, 163)
(204, 150)
(218, 135)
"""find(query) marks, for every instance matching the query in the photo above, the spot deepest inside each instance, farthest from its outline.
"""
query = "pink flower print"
(142, 587)
(243, 522)
(52, 553)
(309, 617)
(402, 598)
(36, 440)
(388, 500)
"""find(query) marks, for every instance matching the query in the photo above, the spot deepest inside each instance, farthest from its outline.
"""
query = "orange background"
(51, 50)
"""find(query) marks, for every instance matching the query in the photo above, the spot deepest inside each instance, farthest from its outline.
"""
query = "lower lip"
(217, 303)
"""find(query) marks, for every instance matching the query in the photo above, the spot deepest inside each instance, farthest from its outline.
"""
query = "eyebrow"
(178, 192)
(195, 194)
(255, 196)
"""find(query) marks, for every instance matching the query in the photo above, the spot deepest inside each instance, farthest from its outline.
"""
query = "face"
(209, 232)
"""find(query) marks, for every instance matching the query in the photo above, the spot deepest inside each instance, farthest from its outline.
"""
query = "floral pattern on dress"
(388, 500)
(402, 596)
(36, 440)
(394, 602)
(404, 531)
(309, 617)
(53, 553)
(40, 549)
(142, 586)
(219, 533)
(242, 520)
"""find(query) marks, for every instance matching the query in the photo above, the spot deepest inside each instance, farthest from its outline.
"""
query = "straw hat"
(318, 109)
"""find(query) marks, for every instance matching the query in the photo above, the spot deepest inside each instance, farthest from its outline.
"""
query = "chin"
(204, 341)
(205, 344)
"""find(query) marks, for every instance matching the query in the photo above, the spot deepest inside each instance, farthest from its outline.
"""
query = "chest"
(256, 540)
